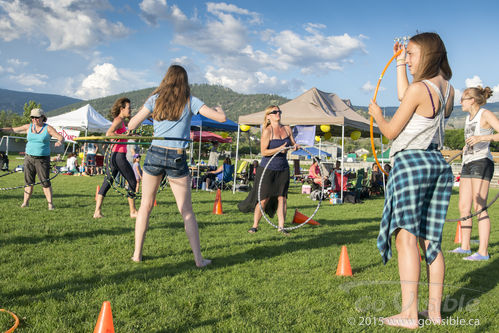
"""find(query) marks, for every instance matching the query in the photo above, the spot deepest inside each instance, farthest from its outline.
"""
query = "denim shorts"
(481, 169)
(161, 161)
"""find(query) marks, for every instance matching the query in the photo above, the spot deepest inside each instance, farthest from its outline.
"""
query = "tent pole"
(342, 154)
(235, 163)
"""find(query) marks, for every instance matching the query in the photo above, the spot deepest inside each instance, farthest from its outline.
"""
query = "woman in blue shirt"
(171, 107)
(37, 159)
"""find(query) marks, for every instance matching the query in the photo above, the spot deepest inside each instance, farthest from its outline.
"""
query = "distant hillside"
(14, 100)
(456, 120)
(234, 104)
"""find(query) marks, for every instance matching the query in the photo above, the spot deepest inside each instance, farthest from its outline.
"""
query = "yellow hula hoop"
(118, 137)
(10, 330)
(374, 100)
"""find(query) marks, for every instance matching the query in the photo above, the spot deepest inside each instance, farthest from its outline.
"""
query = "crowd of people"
(418, 188)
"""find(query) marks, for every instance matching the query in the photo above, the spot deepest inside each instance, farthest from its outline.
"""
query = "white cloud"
(368, 87)
(475, 81)
(106, 80)
(245, 82)
(67, 24)
(30, 79)
(154, 10)
(17, 62)
(226, 39)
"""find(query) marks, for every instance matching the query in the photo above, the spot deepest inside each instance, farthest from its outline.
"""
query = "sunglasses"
(276, 112)
(33, 117)
(463, 99)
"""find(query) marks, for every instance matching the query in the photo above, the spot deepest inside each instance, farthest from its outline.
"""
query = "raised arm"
(216, 113)
(20, 129)
(136, 120)
(402, 80)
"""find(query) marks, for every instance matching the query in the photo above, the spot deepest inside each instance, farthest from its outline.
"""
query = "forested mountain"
(11, 100)
(234, 104)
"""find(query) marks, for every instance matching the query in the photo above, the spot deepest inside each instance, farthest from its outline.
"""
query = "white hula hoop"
(260, 200)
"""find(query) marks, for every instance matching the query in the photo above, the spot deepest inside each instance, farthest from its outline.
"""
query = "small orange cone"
(105, 321)
(97, 192)
(217, 207)
(299, 218)
(457, 238)
(344, 268)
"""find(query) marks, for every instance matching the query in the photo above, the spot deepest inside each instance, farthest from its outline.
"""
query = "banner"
(68, 134)
(304, 135)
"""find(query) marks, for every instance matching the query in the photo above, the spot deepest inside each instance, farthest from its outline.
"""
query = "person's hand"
(296, 146)
(472, 140)
(374, 110)
(397, 47)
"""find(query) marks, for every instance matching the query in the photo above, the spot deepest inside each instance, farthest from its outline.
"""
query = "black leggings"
(119, 163)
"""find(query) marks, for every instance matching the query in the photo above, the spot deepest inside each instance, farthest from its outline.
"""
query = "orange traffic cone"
(217, 207)
(344, 268)
(457, 238)
(105, 321)
(97, 192)
(300, 218)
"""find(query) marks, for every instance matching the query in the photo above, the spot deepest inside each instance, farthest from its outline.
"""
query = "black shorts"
(481, 169)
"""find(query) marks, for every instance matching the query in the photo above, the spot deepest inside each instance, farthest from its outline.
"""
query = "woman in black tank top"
(274, 188)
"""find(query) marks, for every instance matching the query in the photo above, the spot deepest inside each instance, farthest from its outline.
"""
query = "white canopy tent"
(315, 107)
(83, 119)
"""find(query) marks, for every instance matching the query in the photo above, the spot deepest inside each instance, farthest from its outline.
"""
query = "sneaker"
(459, 250)
(476, 257)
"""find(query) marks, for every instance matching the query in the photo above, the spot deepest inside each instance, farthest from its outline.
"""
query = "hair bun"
(486, 92)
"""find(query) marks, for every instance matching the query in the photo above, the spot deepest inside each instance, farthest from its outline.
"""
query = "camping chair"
(225, 178)
(242, 173)
(337, 182)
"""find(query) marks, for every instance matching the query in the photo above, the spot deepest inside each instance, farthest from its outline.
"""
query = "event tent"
(315, 107)
(83, 119)
(209, 137)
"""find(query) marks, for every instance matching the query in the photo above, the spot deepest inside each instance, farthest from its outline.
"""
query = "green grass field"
(57, 267)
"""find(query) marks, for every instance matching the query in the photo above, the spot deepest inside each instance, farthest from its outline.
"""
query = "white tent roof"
(84, 118)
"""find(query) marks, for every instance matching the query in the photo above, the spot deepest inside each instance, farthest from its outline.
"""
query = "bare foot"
(204, 263)
(435, 318)
(24, 205)
(401, 320)
(133, 215)
(135, 260)
(98, 215)
(51, 206)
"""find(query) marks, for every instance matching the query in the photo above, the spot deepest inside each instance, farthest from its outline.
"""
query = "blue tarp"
(313, 150)
(207, 124)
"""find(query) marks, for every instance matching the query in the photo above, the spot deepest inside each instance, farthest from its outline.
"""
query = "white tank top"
(420, 131)
(481, 149)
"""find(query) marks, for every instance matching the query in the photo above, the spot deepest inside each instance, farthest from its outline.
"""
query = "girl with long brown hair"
(420, 183)
(172, 107)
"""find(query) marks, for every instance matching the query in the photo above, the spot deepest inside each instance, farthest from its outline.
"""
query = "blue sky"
(94, 48)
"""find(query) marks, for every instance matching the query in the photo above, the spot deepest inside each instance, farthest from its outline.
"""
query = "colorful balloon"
(244, 128)
(355, 135)
(317, 138)
(327, 136)
(325, 128)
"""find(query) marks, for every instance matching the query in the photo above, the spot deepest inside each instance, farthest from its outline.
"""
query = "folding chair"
(242, 173)
(225, 178)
